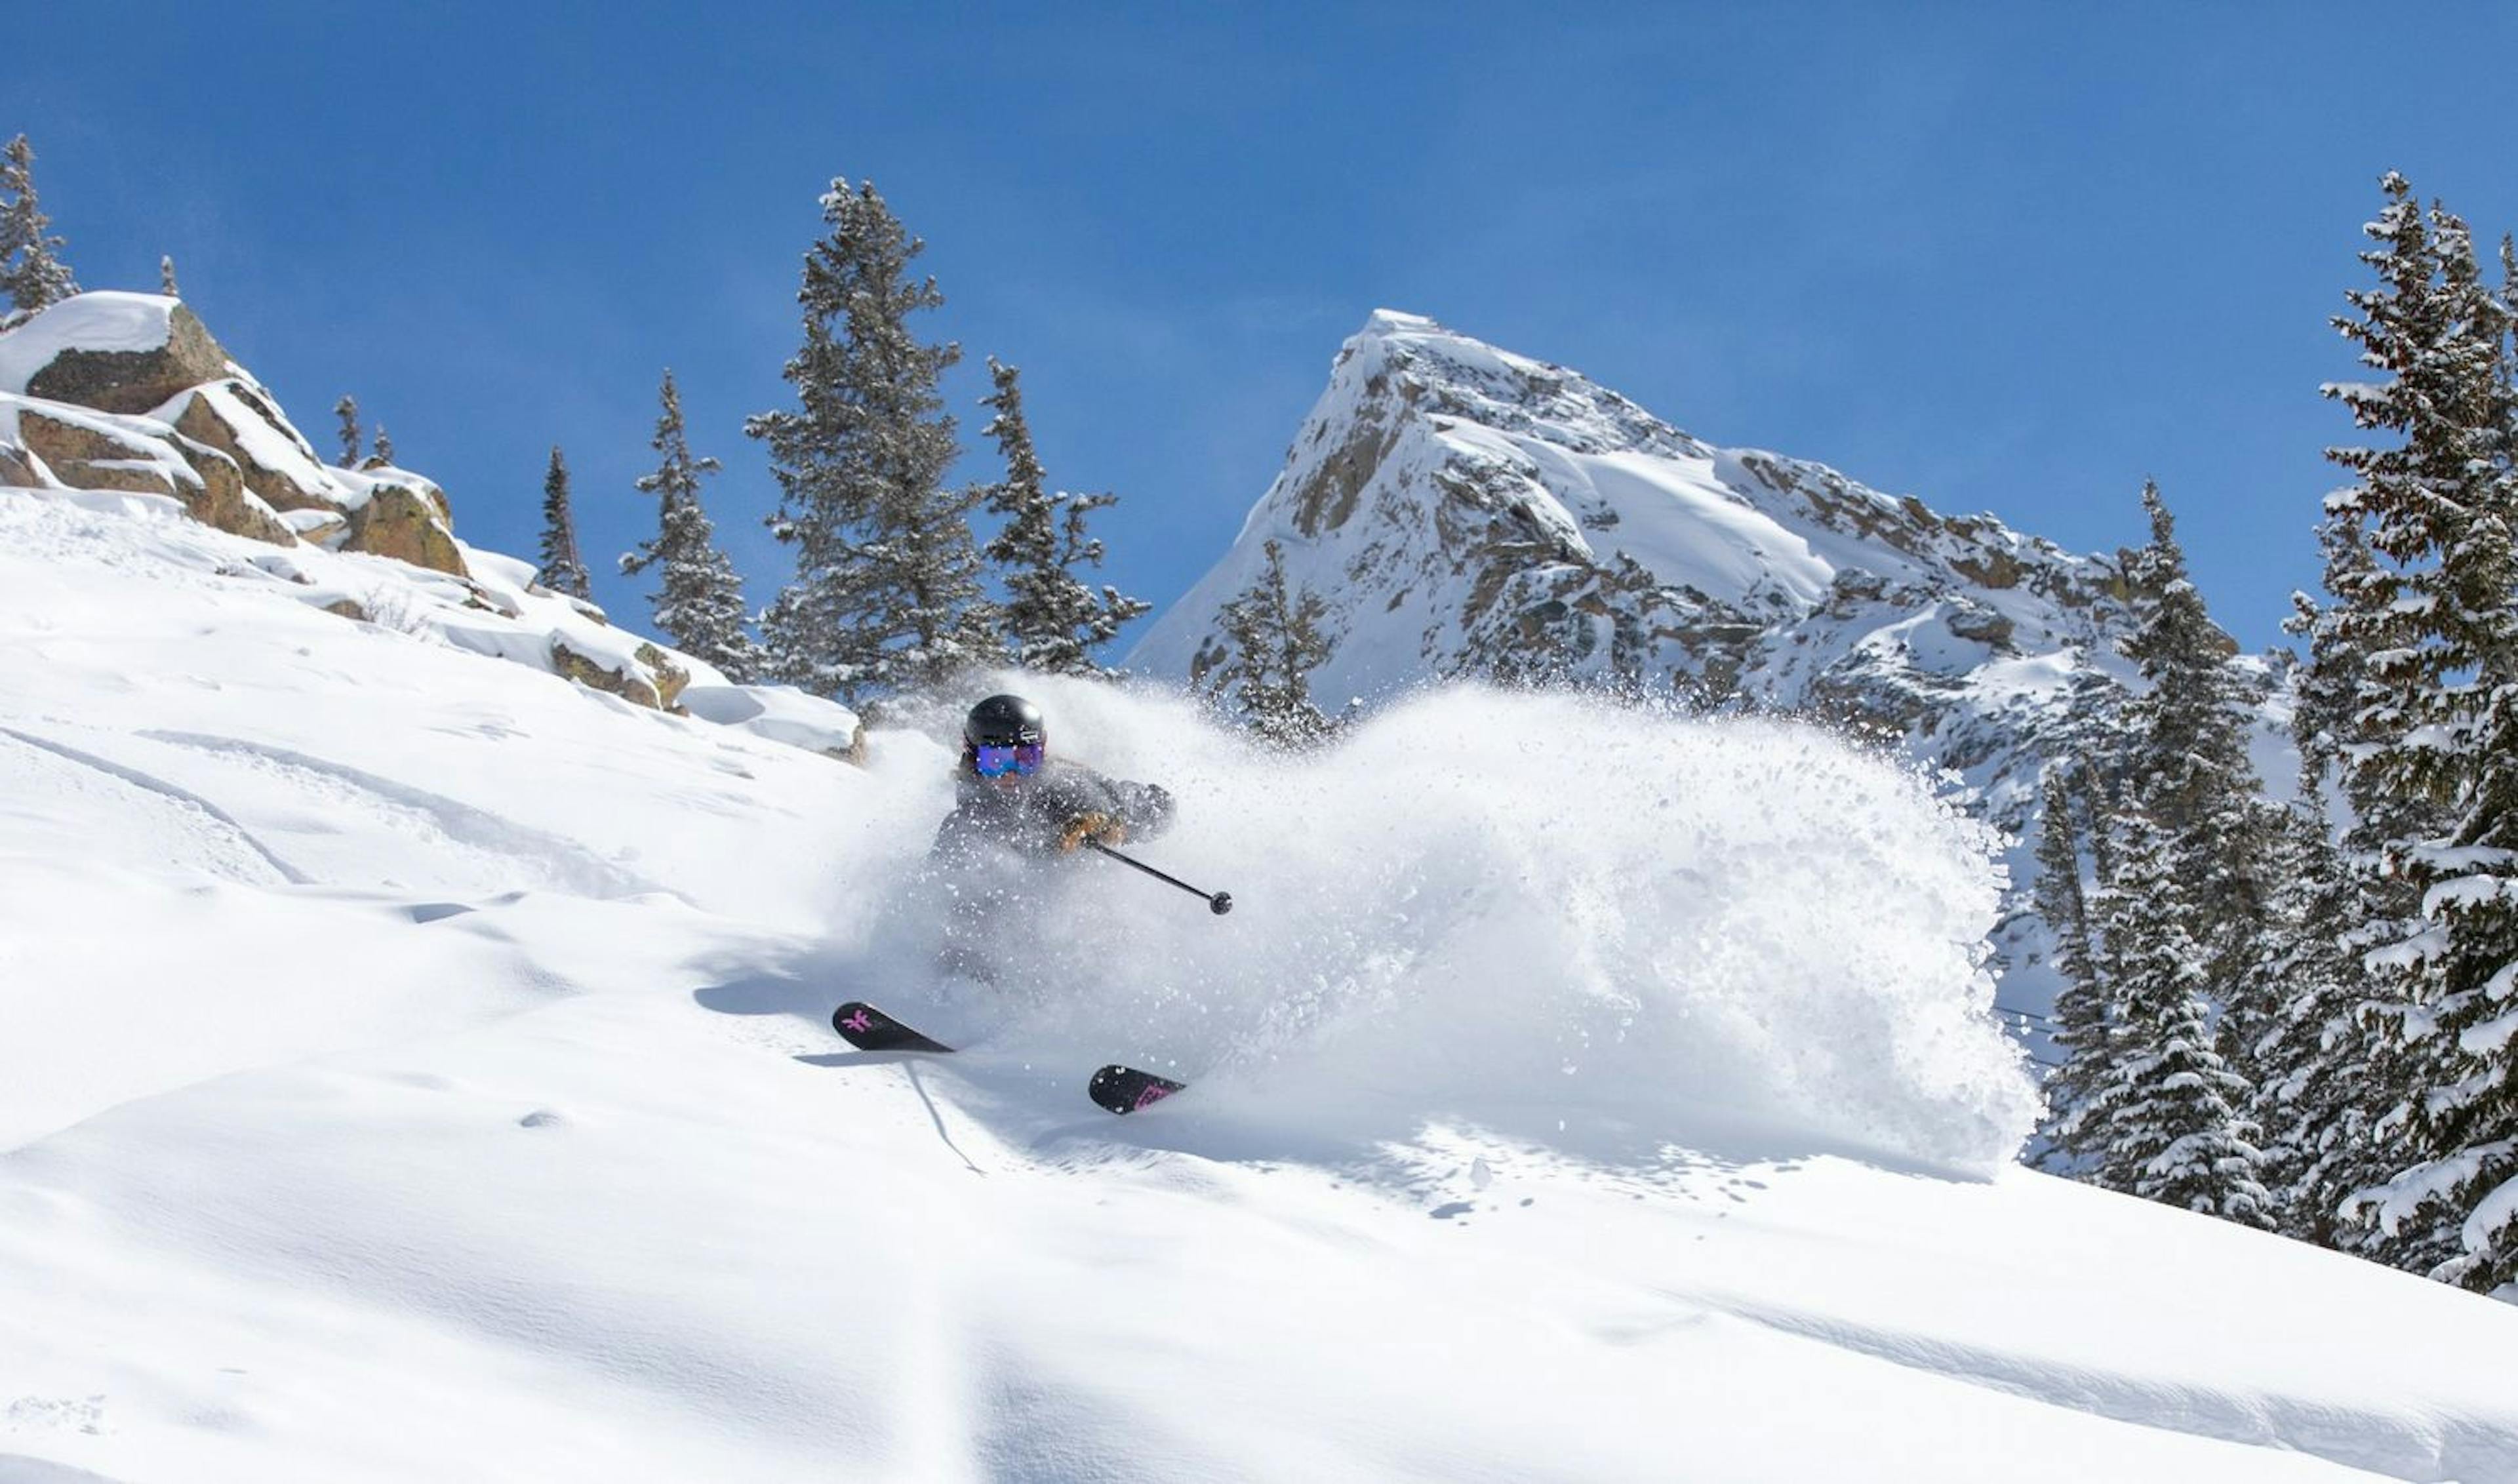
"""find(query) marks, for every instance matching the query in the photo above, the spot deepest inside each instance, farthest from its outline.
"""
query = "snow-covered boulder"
(240, 421)
(114, 352)
(358, 484)
(396, 521)
(325, 527)
(781, 714)
(643, 675)
(94, 453)
(56, 443)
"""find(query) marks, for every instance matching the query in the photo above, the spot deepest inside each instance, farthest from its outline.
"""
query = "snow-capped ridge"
(1464, 511)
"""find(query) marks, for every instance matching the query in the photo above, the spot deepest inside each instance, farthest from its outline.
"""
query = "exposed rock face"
(402, 523)
(221, 500)
(234, 418)
(16, 468)
(597, 676)
(132, 380)
(1467, 512)
(671, 678)
(89, 452)
(90, 455)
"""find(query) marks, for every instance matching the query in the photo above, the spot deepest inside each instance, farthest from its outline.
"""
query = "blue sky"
(2006, 258)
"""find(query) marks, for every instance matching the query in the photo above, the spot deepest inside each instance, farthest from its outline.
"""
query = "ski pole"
(1218, 902)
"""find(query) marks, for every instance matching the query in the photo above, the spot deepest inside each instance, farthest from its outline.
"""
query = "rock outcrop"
(239, 421)
(400, 522)
(650, 677)
(129, 352)
(130, 393)
(86, 450)
(76, 380)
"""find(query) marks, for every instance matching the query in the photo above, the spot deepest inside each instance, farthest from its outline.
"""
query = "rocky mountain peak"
(1467, 512)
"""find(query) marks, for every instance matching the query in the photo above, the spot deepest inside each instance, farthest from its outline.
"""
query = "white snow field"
(415, 1066)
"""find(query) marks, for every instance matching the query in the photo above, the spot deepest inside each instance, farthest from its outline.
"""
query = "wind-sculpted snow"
(1581, 924)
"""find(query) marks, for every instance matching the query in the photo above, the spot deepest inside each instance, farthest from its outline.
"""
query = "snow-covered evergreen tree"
(699, 600)
(2165, 1117)
(2318, 1062)
(562, 569)
(2085, 1017)
(383, 458)
(2188, 773)
(2465, 1110)
(2437, 333)
(167, 277)
(2061, 899)
(887, 591)
(1274, 644)
(352, 438)
(1052, 621)
(31, 270)
(2442, 657)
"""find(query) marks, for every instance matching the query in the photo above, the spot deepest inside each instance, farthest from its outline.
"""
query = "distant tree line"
(2265, 1017)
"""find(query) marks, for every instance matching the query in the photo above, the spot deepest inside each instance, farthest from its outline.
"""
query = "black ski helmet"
(1004, 720)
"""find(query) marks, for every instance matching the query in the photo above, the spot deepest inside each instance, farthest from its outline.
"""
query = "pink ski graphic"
(1126, 1090)
(870, 1030)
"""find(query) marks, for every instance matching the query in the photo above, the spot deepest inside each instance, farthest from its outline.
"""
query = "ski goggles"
(1023, 758)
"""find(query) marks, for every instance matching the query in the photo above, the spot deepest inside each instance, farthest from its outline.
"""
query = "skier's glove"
(1096, 826)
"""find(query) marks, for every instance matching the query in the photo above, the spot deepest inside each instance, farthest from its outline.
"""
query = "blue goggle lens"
(1023, 758)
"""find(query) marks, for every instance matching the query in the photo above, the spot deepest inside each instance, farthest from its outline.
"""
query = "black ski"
(867, 1028)
(1126, 1090)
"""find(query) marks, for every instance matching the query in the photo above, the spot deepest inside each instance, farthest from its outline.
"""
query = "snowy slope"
(413, 1067)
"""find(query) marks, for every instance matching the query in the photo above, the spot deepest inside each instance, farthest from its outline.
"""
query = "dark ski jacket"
(1030, 815)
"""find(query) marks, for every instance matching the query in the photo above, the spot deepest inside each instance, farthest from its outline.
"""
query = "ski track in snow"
(498, 845)
(165, 790)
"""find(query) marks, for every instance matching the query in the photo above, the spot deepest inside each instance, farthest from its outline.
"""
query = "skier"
(1016, 808)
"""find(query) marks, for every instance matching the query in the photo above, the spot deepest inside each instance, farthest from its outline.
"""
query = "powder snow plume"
(1590, 926)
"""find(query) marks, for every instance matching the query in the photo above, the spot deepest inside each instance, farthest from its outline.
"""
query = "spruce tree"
(384, 455)
(167, 277)
(2466, 1113)
(887, 591)
(699, 602)
(2166, 1118)
(2426, 773)
(1052, 622)
(31, 270)
(352, 439)
(2189, 774)
(2436, 335)
(563, 570)
(1274, 644)
(2085, 1019)
(2319, 1063)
